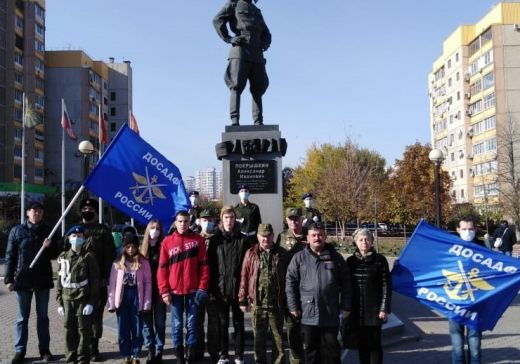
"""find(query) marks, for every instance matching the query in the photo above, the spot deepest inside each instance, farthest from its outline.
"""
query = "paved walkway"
(433, 346)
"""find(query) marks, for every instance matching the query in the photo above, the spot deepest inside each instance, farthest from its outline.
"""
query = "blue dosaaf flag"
(466, 282)
(136, 179)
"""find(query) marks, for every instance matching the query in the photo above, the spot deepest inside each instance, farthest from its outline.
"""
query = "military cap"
(90, 202)
(76, 229)
(292, 211)
(35, 205)
(243, 187)
(265, 229)
(194, 193)
(206, 213)
(307, 195)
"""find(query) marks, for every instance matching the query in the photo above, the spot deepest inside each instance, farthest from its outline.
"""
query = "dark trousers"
(320, 345)
(370, 348)
(97, 316)
(77, 332)
(212, 332)
(237, 74)
(238, 325)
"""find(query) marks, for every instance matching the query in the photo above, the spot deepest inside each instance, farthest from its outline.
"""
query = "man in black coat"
(24, 242)
(508, 236)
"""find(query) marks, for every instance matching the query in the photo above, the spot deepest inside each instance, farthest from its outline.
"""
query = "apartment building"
(22, 47)
(474, 92)
(209, 183)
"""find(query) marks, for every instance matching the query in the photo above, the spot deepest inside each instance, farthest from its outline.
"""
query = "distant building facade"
(474, 99)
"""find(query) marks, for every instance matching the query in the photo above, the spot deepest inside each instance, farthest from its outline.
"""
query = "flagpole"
(62, 169)
(100, 201)
(62, 218)
(22, 185)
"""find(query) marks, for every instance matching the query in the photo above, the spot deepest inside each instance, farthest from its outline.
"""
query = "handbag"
(498, 241)
(350, 334)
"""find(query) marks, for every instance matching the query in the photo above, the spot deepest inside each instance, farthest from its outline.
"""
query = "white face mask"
(309, 203)
(154, 233)
(194, 200)
(467, 235)
(244, 196)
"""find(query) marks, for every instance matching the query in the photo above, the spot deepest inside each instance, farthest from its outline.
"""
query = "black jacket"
(318, 286)
(23, 244)
(226, 253)
(371, 287)
(508, 238)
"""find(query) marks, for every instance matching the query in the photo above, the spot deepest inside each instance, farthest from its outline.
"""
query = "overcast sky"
(338, 69)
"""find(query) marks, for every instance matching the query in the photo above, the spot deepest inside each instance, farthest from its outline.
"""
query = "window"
(490, 123)
(457, 57)
(491, 144)
(457, 76)
(452, 156)
(486, 37)
(38, 154)
(488, 80)
(489, 101)
(113, 127)
(462, 193)
(458, 95)
(18, 95)
(17, 171)
(18, 77)
(488, 57)
(38, 172)
(492, 189)
(105, 101)
(449, 63)
(40, 83)
(18, 58)
(18, 152)
(475, 87)
(39, 65)
(461, 173)
(18, 22)
(40, 101)
(478, 191)
(112, 96)
(112, 111)
(105, 85)
(18, 115)
(39, 11)
(94, 126)
(39, 29)
(476, 107)
(39, 46)
(474, 46)
(449, 82)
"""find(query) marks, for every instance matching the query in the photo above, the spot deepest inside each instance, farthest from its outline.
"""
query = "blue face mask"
(207, 226)
(76, 241)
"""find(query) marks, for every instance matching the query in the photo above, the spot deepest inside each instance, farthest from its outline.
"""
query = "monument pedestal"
(252, 155)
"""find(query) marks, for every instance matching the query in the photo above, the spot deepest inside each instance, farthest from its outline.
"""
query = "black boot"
(151, 356)
(95, 356)
(191, 356)
(179, 354)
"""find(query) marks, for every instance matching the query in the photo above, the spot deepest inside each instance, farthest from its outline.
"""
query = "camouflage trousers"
(77, 332)
(263, 319)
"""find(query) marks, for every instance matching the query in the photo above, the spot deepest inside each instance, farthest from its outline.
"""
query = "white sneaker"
(223, 361)
(239, 361)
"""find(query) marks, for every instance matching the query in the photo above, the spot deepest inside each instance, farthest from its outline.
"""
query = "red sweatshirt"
(183, 264)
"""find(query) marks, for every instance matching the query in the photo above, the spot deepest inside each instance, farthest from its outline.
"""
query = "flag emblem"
(461, 285)
(146, 188)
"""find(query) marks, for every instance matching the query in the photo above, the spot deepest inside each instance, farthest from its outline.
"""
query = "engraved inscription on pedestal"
(259, 175)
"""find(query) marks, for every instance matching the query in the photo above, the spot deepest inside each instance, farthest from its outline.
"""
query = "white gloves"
(315, 218)
(87, 310)
(61, 311)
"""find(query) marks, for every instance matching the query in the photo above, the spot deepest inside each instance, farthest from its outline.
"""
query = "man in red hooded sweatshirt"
(183, 277)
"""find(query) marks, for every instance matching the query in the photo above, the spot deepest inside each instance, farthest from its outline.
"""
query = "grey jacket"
(318, 286)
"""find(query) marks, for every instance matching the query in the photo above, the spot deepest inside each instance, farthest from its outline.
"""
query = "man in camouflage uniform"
(77, 291)
(310, 213)
(100, 243)
(293, 240)
(262, 285)
(195, 211)
(250, 39)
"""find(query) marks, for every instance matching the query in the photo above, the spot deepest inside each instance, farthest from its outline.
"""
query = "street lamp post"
(86, 148)
(437, 157)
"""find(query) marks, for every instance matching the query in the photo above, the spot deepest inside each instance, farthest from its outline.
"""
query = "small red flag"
(103, 131)
(66, 124)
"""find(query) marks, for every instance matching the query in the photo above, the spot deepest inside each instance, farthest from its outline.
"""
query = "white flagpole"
(62, 168)
(132, 222)
(22, 185)
(58, 224)
(100, 201)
